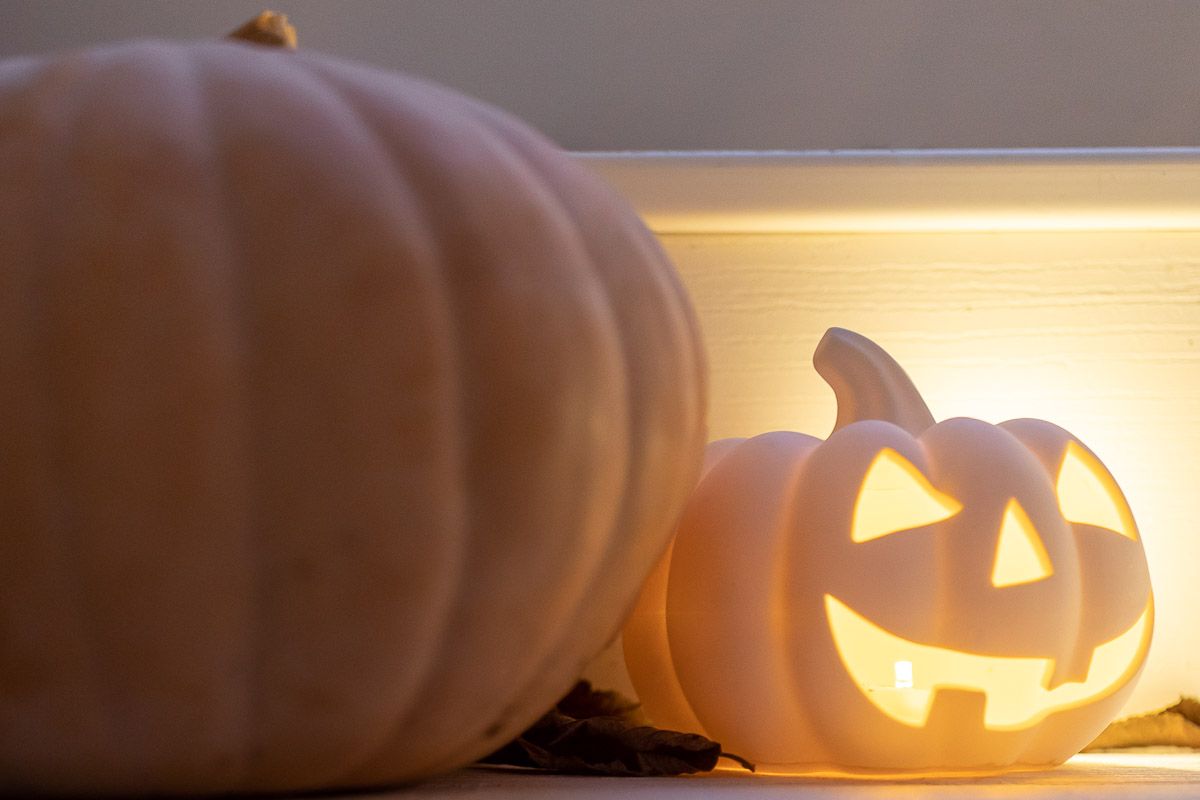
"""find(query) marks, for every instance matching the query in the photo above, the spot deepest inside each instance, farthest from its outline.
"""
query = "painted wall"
(755, 74)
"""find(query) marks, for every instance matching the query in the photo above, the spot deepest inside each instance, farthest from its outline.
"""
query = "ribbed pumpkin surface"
(340, 418)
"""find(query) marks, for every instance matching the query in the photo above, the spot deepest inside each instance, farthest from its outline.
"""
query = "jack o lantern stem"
(868, 383)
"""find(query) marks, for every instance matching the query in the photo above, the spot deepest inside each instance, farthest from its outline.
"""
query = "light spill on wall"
(1096, 331)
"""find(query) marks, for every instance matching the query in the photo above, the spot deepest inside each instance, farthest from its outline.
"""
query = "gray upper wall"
(755, 74)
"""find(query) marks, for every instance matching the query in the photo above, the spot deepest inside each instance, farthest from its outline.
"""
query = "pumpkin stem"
(269, 28)
(868, 383)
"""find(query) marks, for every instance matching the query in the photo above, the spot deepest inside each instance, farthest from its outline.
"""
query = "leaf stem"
(741, 761)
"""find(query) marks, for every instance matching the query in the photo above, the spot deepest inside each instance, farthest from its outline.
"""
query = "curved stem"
(868, 383)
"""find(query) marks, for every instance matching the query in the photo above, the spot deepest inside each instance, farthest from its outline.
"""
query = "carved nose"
(1020, 555)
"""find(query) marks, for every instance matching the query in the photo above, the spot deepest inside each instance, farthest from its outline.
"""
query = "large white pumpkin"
(340, 418)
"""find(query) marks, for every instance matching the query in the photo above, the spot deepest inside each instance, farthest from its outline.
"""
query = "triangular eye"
(896, 496)
(1087, 494)
(1020, 555)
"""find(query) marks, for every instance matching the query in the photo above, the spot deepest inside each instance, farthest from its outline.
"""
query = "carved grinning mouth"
(901, 678)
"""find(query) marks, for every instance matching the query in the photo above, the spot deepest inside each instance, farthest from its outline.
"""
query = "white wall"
(755, 74)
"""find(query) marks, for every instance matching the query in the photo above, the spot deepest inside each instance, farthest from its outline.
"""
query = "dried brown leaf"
(609, 746)
(601, 737)
(1188, 708)
(1177, 726)
(585, 701)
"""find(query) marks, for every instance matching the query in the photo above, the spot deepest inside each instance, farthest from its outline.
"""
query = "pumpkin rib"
(157, 292)
(61, 296)
(567, 228)
(450, 574)
(682, 314)
(793, 550)
(86, 636)
(452, 581)
(664, 277)
(534, 684)
(671, 296)
(671, 293)
(237, 289)
(89, 700)
(1040, 736)
(89, 637)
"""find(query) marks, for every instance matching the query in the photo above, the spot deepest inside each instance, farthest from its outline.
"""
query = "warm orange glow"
(896, 496)
(1020, 555)
(985, 638)
(1087, 494)
(1015, 687)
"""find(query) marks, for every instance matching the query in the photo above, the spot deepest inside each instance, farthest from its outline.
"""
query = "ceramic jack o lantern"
(902, 597)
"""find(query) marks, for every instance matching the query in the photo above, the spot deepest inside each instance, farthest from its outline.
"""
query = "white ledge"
(852, 191)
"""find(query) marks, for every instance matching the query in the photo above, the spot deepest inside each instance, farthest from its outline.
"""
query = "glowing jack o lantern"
(902, 597)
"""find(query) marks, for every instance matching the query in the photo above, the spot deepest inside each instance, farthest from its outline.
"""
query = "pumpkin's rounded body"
(954, 597)
(341, 415)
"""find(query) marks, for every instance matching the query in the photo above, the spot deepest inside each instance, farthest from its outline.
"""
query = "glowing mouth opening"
(901, 677)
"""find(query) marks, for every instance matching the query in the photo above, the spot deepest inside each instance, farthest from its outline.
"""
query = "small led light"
(904, 674)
